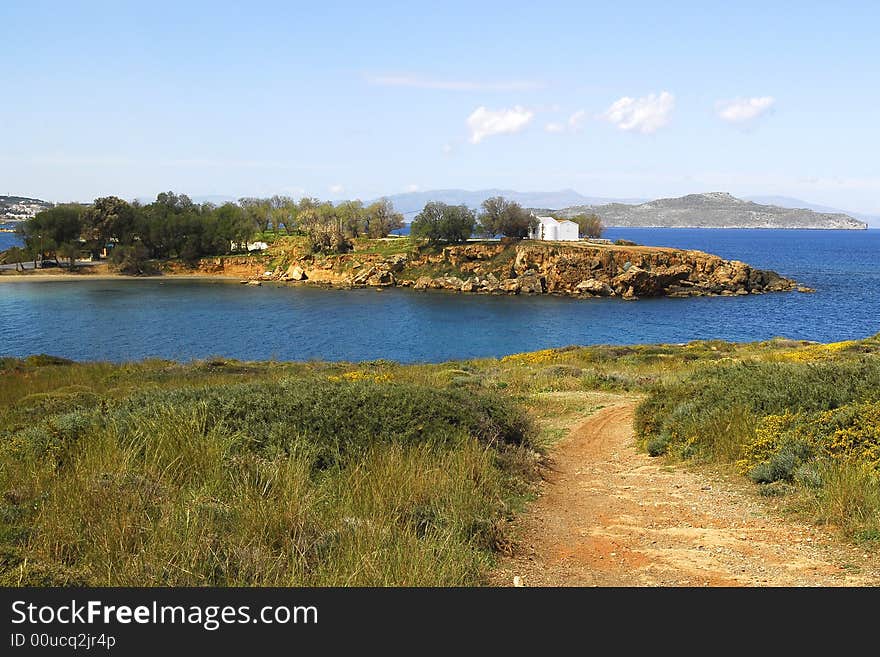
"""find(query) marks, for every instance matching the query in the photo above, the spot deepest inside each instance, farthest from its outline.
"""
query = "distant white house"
(553, 229)
(251, 246)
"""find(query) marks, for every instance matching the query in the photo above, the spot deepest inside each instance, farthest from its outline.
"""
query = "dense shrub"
(813, 425)
(40, 360)
(44, 404)
(762, 388)
(337, 417)
(783, 442)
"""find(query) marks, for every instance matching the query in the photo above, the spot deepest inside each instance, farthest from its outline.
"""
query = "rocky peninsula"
(581, 269)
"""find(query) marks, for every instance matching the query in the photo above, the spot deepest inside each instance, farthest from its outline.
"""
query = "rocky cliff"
(576, 269)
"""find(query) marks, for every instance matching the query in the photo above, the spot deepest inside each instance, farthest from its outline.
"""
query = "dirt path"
(609, 515)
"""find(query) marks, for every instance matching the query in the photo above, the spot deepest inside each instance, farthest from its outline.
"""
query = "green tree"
(174, 226)
(259, 210)
(311, 212)
(589, 225)
(439, 222)
(43, 233)
(132, 259)
(71, 251)
(232, 227)
(283, 211)
(176, 202)
(352, 217)
(108, 218)
(324, 226)
(382, 219)
(502, 217)
(17, 255)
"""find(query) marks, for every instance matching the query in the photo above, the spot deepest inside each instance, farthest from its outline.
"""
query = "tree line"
(440, 222)
(173, 226)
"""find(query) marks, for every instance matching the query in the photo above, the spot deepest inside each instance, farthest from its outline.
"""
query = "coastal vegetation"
(438, 222)
(589, 224)
(174, 227)
(377, 473)
(502, 217)
(805, 422)
(348, 245)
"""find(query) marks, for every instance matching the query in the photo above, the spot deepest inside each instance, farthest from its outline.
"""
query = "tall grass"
(846, 494)
(297, 482)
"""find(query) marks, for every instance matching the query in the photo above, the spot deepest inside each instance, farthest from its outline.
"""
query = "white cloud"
(576, 120)
(336, 189)
(742, 110)
(574, 123)
(447, 148)
(485, 122)
(422, 82)
(644, 115)
(412, 188)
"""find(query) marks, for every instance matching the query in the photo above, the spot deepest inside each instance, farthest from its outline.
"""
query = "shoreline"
(318, 284)
(45, 278)
(623, 270)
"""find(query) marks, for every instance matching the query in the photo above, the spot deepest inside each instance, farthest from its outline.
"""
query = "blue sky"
(338, 100)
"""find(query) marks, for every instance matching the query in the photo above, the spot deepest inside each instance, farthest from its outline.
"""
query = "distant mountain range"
(412, 202)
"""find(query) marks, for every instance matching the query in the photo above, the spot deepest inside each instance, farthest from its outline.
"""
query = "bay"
(8, 240)
(120, 320)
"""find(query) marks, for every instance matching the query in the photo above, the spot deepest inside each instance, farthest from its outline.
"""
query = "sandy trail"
(609, 515)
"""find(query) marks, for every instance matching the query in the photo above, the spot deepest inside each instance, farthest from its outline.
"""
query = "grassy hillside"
(375, 473)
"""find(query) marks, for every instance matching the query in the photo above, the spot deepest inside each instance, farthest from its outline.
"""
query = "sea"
(182, 320)
(8, 239)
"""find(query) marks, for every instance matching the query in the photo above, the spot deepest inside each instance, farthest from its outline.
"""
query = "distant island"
(712, 210)
(708, 210)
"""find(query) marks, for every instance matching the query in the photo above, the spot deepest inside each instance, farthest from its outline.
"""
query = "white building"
(553, 229)
(251, 246)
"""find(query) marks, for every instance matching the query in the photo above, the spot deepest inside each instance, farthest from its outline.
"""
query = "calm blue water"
(8, 239)
(132, 319)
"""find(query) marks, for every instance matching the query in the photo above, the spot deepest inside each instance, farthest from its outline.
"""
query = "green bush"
(562, 371)
(43, 404)
(807, 426)
(39, 360)
(683, 409)
(338, 417)
(658, 445)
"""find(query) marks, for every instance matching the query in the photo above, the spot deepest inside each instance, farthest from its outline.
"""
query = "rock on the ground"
(296, 273)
